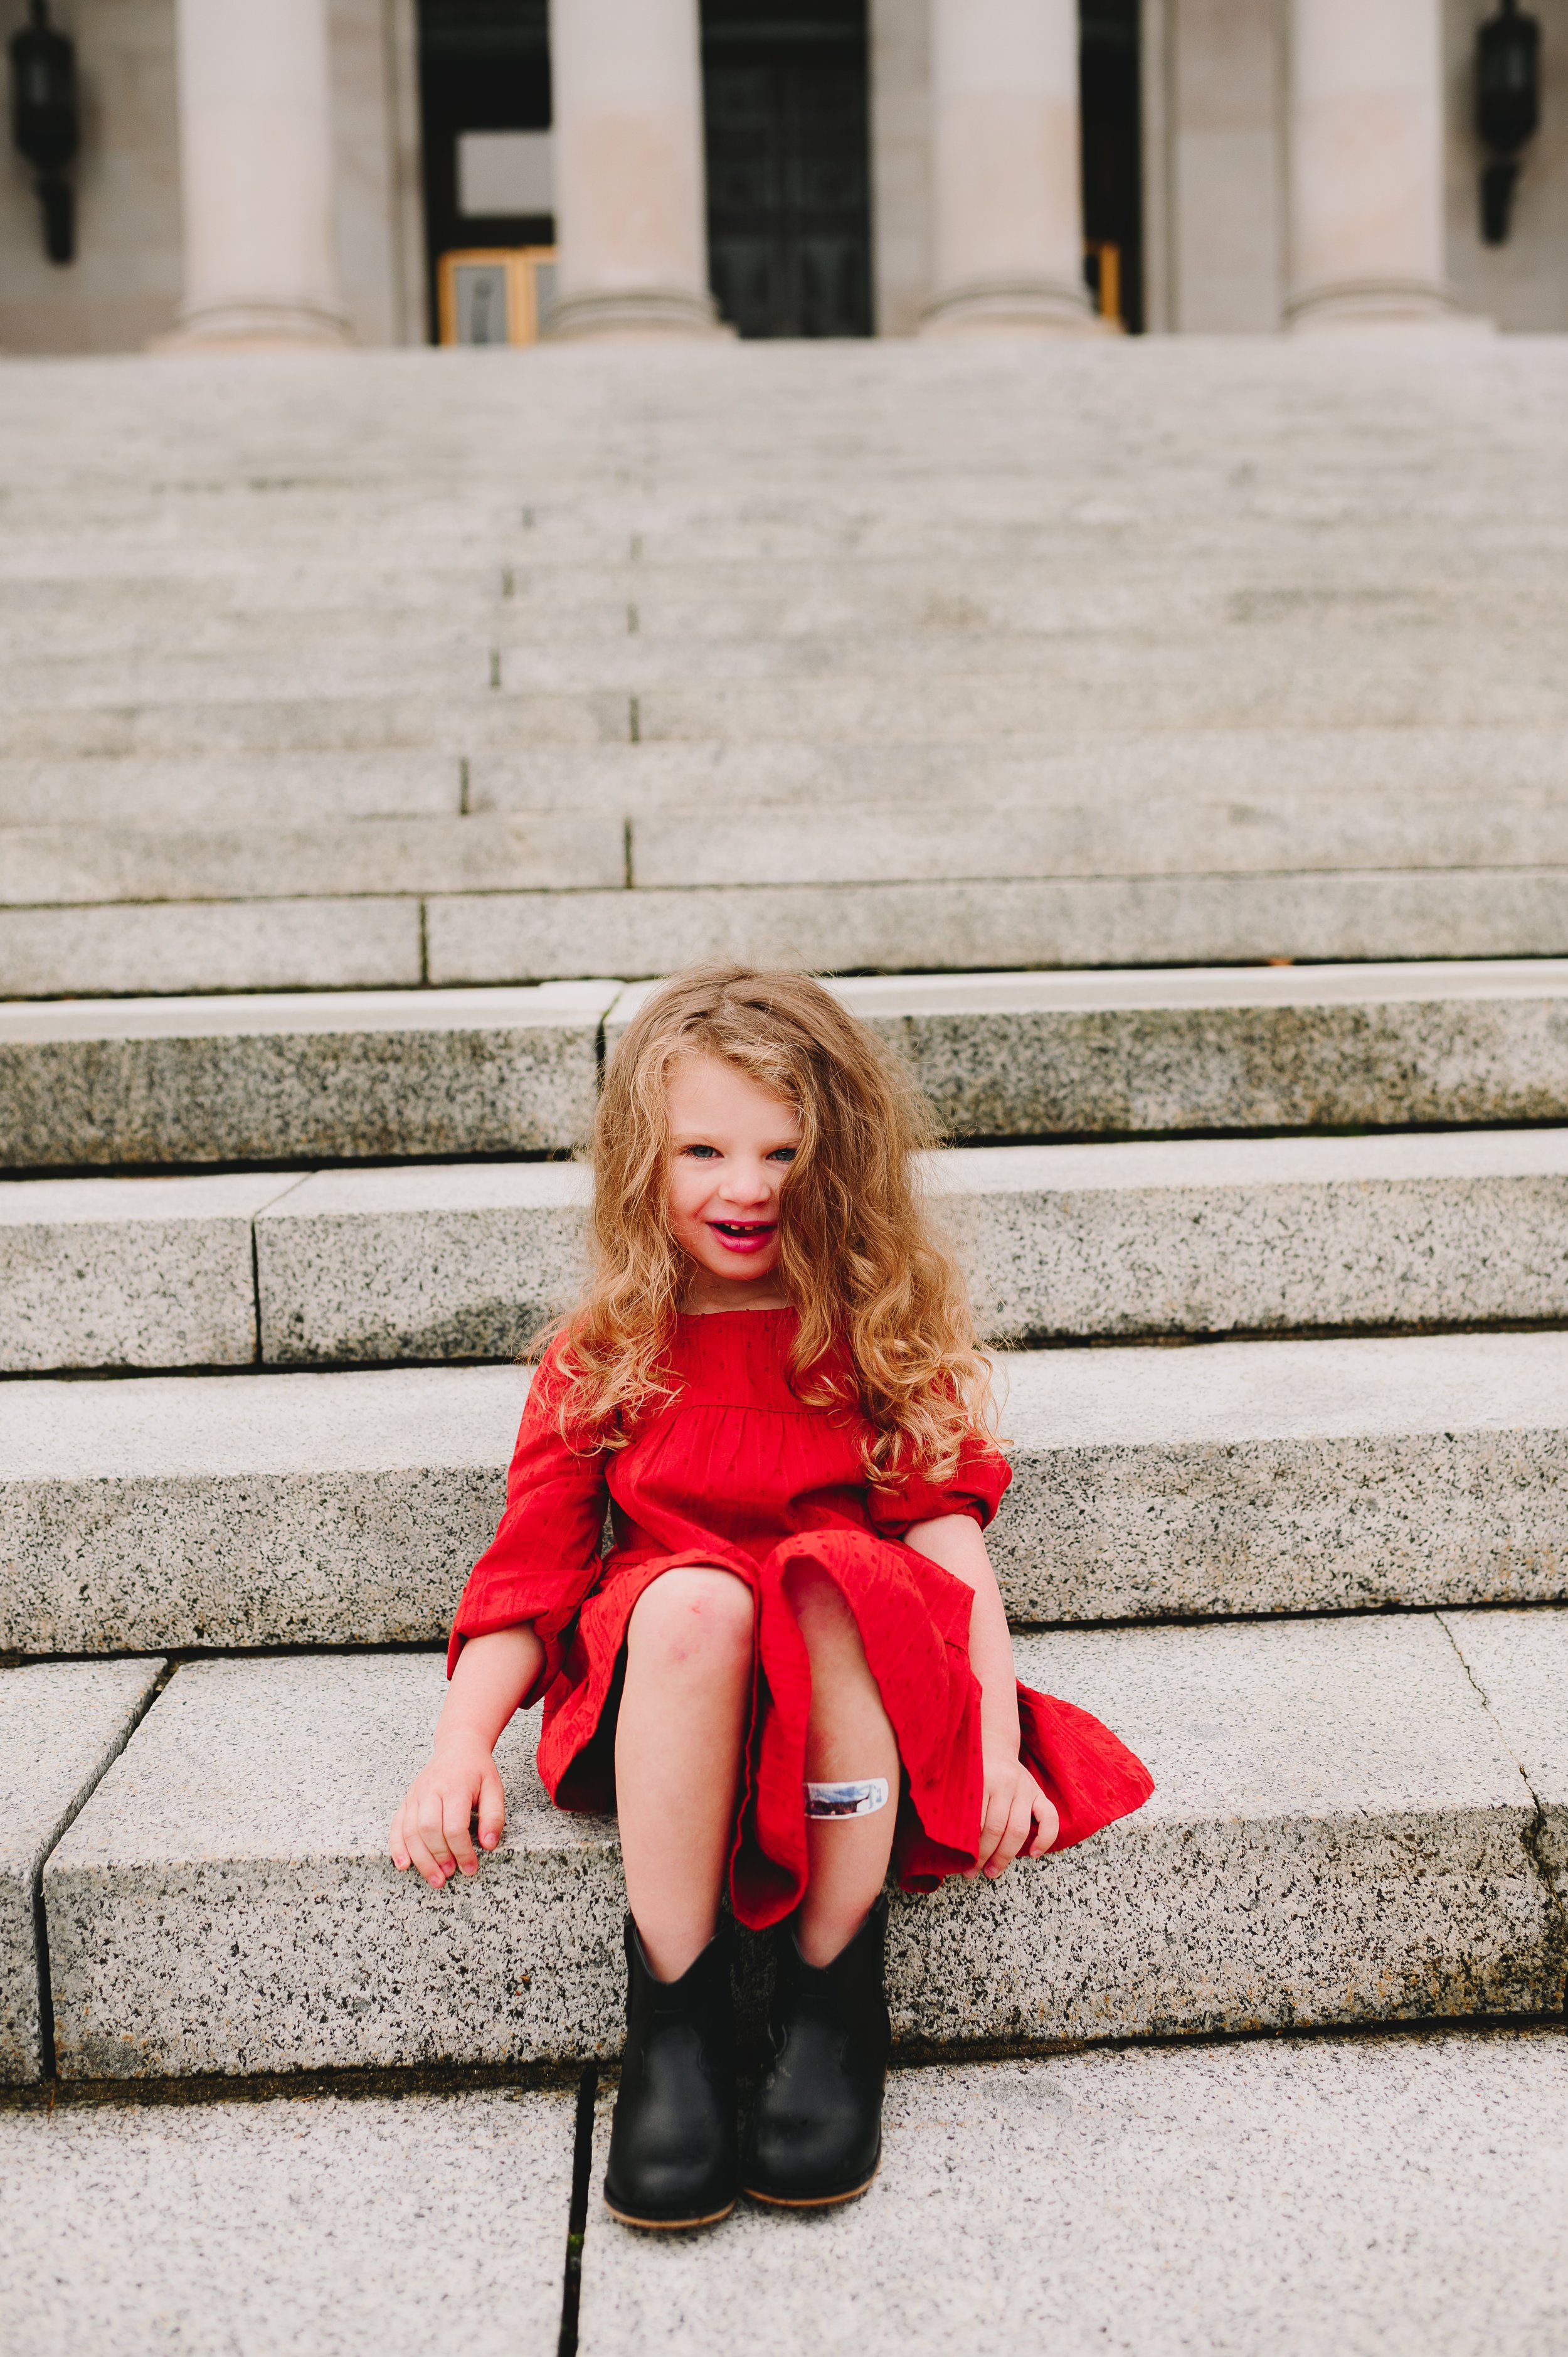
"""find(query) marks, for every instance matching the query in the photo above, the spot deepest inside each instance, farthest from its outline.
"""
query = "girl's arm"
(430, 1832)
(1016, 1818)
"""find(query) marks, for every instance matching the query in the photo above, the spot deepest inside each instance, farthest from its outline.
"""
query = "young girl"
(792, 1664)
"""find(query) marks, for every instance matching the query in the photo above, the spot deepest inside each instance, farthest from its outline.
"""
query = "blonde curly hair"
(870, 1280)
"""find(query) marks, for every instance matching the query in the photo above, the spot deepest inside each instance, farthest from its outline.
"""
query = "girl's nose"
(746, 1183)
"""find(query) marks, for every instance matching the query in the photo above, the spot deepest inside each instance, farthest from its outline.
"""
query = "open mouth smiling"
(744, 1235)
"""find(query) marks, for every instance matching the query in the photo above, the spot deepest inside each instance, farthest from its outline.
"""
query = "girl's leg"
(850, 1737)
(677, 1748)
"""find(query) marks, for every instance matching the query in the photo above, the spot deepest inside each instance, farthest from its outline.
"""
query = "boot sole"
(668, 2225)
(809, 2201)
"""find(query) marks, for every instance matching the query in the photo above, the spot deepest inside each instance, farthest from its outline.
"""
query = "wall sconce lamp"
(1507, 108)
(46, 124)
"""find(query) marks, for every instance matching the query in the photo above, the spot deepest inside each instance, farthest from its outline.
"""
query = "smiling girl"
(792, 1665)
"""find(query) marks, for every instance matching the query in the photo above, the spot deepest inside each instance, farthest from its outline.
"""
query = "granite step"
(179, 1512)
(852, 693)
(265, 2228)
(859, 843)
(223, 1903)
(1339, 2164)
(434, 1261)
(60, 1725)
(347, 859)
(1496, 782)
(485, 938)
(1074, 2202)
(286, 1078)
(470, 716)
(378, 1075)
(202, 791)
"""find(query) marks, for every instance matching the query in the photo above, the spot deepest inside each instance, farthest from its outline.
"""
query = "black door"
(784, 95)
(484, 65)
(1113, 145)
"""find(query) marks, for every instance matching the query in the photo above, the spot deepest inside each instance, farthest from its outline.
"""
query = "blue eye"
(708, 1150)
(783, 1154)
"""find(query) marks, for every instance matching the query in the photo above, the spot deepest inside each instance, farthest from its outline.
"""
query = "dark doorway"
(1112, 147)
(484, 65)
(784, 99)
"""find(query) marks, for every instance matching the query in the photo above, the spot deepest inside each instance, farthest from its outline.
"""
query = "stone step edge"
(1187, 1918)
(428, 1263)
(456, 938)
(1235, 1479)
(260, 1078)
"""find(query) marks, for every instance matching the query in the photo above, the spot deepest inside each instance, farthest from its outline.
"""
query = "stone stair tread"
(283, 722)
(213, 946)
(434, 1261)
(280, 2227)
(1493, 778)
(548, 850)
(1238, 1478)
(1316, 1782)
(256, 1077)
(131, 1272)
(558, 850)
(1070, 921)
(1338, 2164)
(194, 791)
(101, 1081)
(60, 1725)
(1071, 2204)
(1525, 1685)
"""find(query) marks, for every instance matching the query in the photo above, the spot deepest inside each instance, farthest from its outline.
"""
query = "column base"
(1030, 307)
(256, 327)
(1377, 303)
(637, 312)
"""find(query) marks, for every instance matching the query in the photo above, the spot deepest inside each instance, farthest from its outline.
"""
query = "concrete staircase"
(370, 729)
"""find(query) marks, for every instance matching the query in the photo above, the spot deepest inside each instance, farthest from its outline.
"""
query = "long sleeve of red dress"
(736, 1471)
(546, 1552)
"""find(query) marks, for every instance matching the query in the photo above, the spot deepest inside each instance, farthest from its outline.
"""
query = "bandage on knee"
(862, 1798)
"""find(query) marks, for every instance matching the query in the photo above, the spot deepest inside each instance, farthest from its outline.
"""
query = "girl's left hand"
(1016, 1818)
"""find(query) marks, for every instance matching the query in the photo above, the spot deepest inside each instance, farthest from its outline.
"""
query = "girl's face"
(730, 1147)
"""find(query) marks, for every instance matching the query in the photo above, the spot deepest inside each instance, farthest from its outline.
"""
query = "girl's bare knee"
(698, 1616)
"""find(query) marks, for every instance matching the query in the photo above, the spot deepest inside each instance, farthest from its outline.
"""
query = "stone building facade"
(292, 170)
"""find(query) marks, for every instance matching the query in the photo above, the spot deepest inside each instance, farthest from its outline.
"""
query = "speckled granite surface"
(319, 2227)
(61, 1724)
(1235, 1478)
(286, 1077)
(119, 1273)
(1392, 2197)
(1338, 1835)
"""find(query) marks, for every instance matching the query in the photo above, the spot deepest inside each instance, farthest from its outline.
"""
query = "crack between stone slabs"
(40, 1919)
(577, 2214)
(389, 2083)
(1533, 1837)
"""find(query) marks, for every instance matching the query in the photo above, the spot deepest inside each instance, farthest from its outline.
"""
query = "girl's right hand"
(430, 1832)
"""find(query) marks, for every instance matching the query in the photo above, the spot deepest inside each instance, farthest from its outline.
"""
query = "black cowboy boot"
(815, 2131)
(673, 2139)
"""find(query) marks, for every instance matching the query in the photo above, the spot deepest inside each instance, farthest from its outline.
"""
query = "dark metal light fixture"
(1507, 108)
(46, 123)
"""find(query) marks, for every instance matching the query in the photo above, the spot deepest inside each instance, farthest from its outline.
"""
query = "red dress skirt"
(736, 1471)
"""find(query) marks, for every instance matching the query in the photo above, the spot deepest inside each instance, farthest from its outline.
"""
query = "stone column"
(631, 228)
(1367, 239)
(257, 167)
(1007, 228)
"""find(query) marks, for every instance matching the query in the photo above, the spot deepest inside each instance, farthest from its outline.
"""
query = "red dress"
(736, 1471)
